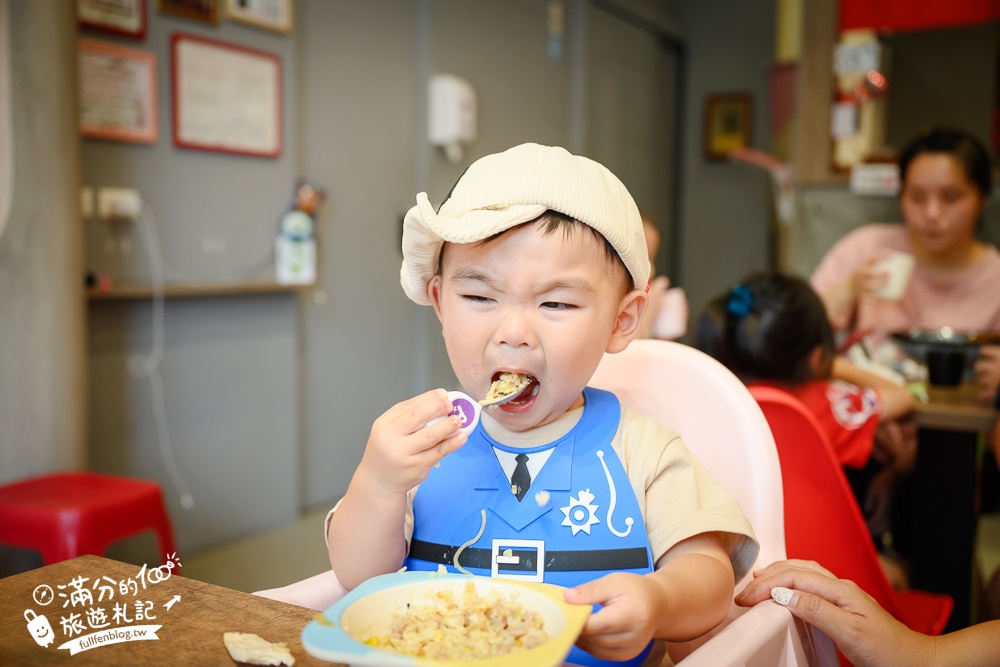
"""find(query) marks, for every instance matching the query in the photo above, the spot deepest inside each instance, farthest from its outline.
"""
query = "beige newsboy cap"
(505, 189)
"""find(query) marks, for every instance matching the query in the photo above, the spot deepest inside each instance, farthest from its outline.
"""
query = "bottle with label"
(295, 246)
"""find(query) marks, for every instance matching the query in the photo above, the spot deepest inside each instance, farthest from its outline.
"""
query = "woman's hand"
(841, 299)
(865, 633)
(987, 368)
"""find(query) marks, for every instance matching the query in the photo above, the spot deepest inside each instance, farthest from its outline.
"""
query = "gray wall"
(725, 220)
(360, 123)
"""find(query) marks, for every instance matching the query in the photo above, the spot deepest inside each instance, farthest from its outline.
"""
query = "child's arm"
(687, 596)
(366, 534)
(896, 400)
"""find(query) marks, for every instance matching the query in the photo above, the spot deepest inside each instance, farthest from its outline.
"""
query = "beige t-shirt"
(678, 497)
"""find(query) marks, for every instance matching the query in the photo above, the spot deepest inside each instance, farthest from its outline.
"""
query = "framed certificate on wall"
(726, 124)
(117, 92)
(226, 97)
(273, 15)
(121, 17)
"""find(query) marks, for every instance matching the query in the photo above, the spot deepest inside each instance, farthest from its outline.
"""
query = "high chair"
(823, 521)
(67, 514)
(723, 426)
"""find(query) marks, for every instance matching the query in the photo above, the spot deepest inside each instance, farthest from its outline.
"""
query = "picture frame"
(274, 15)
(206, 11)
(727, 124)
(117, 88)
(227, 98)
(126, 18)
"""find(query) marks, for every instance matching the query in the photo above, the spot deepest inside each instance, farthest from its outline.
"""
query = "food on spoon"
(507, 386)
(251, 649)
(465, 626)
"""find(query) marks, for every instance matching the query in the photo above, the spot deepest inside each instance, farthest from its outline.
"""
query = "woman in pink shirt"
(946, 181)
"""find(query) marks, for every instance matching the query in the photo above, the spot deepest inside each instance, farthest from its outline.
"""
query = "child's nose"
(514, 328)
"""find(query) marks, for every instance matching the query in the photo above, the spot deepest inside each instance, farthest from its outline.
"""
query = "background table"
(191, 632)
(944, 485)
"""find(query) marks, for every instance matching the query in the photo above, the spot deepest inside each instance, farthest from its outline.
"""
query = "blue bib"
(578, 521)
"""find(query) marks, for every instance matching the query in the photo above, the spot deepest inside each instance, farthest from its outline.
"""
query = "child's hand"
(626, 622)
(402, 448)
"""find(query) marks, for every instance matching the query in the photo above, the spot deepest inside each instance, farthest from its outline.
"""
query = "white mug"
(898, 266)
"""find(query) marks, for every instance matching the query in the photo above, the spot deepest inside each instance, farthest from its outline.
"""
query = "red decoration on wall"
(902, 15)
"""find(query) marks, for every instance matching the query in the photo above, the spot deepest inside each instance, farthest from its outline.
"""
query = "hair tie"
(740, 301)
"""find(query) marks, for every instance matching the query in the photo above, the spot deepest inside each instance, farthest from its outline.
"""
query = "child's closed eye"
(558, 305)
(476, 298)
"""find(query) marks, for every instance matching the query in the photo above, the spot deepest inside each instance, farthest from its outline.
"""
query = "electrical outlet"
(119, 204)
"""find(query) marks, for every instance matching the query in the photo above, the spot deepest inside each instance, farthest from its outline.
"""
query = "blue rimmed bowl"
(368, 610)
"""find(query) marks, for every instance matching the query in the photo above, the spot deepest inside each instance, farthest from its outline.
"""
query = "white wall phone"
(452, 114)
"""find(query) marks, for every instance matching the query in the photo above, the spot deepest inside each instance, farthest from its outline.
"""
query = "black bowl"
(946, 337)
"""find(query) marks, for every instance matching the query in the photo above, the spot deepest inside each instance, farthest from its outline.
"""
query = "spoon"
(506, 389)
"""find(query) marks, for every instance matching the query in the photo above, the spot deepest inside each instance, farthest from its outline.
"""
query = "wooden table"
(190, 631)
(955, 409)
(943, 517)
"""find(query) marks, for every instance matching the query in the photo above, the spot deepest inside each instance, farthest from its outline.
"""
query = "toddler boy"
(536, 264)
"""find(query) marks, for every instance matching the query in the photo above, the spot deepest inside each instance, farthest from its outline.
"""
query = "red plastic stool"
(69, 514)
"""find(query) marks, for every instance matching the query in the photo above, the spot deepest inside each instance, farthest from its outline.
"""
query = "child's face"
(549, 305)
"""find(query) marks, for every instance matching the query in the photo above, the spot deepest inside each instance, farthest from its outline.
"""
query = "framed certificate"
(206, 11)
(226, 97)
(727, 124)
(117, 92)
(121, 17)
(273, 15)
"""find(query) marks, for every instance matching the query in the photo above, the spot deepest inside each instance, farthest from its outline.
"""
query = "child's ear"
(629, 320)
(434, 294)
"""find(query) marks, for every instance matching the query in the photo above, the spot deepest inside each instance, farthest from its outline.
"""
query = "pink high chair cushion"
(318, 592)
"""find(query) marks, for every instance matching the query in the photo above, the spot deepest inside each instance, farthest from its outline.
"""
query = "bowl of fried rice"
(441, 619)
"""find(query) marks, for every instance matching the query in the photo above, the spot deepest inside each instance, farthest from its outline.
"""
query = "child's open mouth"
(513, 391)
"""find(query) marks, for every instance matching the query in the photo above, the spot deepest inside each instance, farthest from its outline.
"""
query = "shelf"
(120, 292)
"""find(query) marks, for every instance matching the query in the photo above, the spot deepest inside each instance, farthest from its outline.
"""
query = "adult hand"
(987, 368)
(865, 633)
(872, 277)
(841, 299)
